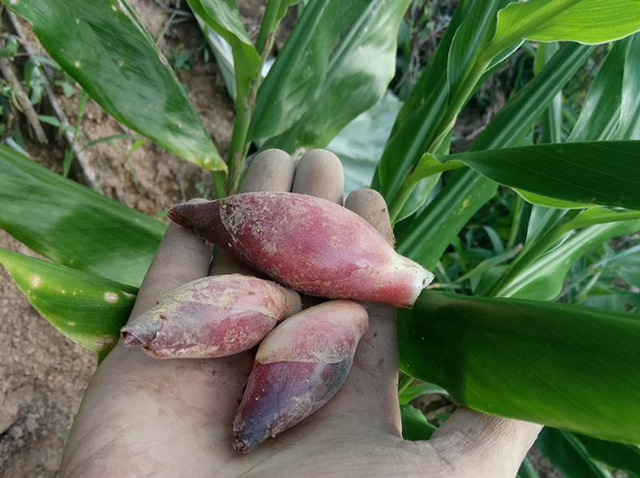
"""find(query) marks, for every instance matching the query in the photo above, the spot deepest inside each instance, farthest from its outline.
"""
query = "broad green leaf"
(72, 225)
(591, 173)
(600, 113)
(415, 426)
(88, 309)
(302, 66)
(630, 111)
(413, 391)
(554, 364)
(616, 455)
(414, 136)
(428, 234)
(360, 144)
(358, 74)
(104, 47)
(222, 16)
(543, 280)
(568, 455)
(584, 21)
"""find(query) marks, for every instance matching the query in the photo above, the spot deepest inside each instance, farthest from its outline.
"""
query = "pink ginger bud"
(309, 244)
(212, 317)
(298, 368)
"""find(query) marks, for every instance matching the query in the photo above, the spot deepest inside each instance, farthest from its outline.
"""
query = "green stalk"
(239, 146)
(246, 104)
(268, 27)
(219, 186)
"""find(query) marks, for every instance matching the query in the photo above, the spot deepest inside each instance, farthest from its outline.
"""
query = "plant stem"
(219, 189)
(237, 150)
(246, 104)
(268, 27)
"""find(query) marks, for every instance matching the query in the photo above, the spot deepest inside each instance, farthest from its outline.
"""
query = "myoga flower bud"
(212, 317)
(309, 244)
(298, 368)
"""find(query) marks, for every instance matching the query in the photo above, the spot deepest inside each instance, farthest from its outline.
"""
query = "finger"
(370, 205)
(319, 173)
(371, 390)
(182, 257)
(476, 444)
(271, 170)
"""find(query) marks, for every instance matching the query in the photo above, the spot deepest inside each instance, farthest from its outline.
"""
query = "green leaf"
(543, 280)
(360, 144)
(584, 21)
(415, 426)
(600, 113)
(552, 119)
(522, 111)
(72, 225)
(302, 66)
(413, 391)
(470, 39)
(630, 110)
(428, 234)
(568, 455)
(599, 172)
(358, 73)
(10, 47)
(103, 46)
(223, 17)
(88, 309)
(616, 455)
(415, 132)
(548, 202)
(554, 364)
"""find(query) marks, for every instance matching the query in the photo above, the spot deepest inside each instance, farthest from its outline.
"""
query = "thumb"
(475, 444)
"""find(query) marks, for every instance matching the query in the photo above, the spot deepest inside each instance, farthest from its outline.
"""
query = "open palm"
(142, 417)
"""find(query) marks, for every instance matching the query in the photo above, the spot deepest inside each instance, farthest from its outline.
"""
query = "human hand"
(142, 417)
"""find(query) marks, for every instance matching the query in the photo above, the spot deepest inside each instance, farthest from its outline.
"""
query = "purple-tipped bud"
(212, 317)
(298, 368)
